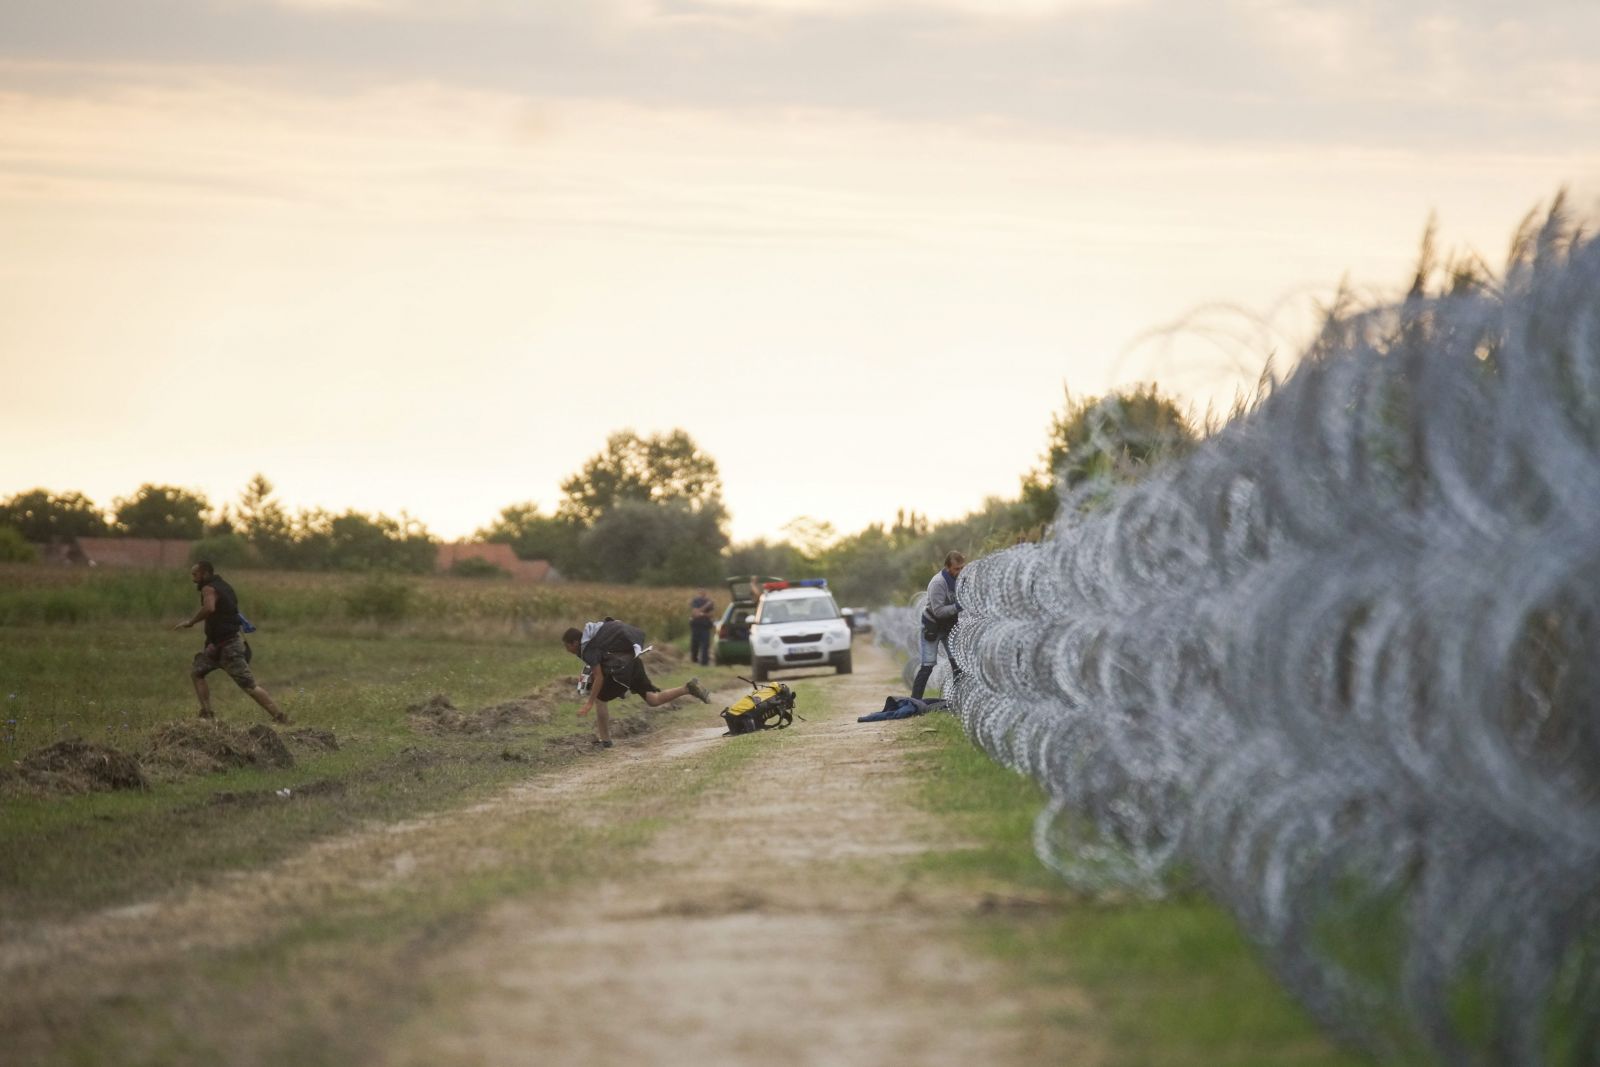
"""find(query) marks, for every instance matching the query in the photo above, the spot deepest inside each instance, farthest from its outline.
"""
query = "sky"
(425, 257)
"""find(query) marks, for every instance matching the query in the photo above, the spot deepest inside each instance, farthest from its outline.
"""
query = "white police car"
(797, 624)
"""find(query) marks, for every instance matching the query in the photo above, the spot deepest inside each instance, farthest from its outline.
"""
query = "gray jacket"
(941, 606)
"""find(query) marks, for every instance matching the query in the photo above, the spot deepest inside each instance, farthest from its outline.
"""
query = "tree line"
(643, 510)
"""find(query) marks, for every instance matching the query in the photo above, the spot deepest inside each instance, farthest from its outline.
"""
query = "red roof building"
(525, 570)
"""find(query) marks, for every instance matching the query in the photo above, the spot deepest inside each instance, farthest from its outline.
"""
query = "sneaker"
(605, 744)
(697, 690)
(207, 713)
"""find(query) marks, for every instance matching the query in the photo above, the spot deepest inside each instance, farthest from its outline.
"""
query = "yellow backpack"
(758, 709)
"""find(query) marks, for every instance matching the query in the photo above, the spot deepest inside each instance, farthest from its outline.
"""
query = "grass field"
(92, 655)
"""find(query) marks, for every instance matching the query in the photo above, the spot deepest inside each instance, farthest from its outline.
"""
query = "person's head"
(953, 562)
(202, 572)
(572, 639)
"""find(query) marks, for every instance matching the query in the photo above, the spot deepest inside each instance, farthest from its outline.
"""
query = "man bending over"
(610, 652)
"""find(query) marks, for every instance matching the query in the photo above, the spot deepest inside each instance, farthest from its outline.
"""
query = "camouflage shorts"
(231, 656)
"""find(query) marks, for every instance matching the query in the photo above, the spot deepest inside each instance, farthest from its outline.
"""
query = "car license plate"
(801, 650)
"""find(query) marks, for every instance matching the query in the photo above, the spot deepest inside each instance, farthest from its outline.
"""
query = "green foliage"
(263, 522)
(224, 550)
(656, 544)
(477, 568)
(660, 469)
(14, 548)
(42, 516)
(532, 535)
(766, 557)
(381, 598)
(162, 511)
(1116, 437)
(362, 542)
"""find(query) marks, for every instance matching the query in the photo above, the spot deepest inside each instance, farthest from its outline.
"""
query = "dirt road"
(771, 913)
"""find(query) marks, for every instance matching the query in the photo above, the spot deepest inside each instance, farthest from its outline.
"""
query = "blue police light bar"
(812, 583)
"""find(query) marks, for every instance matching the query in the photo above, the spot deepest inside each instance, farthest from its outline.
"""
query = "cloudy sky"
(400, 254)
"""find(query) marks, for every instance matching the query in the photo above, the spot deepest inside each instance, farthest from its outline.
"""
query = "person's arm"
(208, 604)
(597, 682)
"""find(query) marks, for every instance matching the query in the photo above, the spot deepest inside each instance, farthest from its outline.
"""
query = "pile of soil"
(192, 747)
(76, 766)
(621, 726)
(437, 715)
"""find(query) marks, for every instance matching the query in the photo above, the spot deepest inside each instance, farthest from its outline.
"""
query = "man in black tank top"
(225, 648)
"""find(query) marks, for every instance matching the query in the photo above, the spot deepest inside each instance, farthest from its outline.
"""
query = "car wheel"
(844, 664)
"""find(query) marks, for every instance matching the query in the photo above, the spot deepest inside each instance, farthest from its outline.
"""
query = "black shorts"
(631, 679)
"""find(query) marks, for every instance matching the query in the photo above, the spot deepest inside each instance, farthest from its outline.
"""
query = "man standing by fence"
(225, 647)
(938, 619)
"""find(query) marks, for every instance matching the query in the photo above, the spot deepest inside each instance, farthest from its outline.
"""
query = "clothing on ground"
(902, 708)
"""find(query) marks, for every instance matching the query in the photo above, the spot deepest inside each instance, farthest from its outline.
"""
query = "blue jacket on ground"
(901, 708)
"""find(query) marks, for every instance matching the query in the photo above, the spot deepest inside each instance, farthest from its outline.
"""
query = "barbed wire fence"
(1341, 667)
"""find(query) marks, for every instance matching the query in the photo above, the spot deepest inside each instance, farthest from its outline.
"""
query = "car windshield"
(801, 609)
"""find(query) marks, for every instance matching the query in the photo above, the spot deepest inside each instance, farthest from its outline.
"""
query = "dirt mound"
(622, 726)
(315, 738)
(437, 715)
(666, 656)
(269, 746)
(78, 766)
(204, 746)
(630, 726)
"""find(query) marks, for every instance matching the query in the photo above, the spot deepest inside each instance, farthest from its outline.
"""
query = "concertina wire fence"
(1339, 666)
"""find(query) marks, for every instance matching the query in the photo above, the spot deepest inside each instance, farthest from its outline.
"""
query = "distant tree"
(760, 556)
(39, 515)
(224, 550)
(656, 544)
(354, 541)
(811, 537)
(262, 521)
(535, 536)
(1117, 437)
(14, 548)
(162, 511)
(660, 469)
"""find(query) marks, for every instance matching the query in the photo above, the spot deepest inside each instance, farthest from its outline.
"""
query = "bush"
(224, 550)
(14, 548)
(477, 568)
(381, 599)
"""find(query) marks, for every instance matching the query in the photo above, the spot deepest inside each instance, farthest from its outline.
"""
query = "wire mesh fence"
(1339, 666)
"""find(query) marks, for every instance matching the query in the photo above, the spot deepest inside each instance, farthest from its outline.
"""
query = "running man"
(225, 648)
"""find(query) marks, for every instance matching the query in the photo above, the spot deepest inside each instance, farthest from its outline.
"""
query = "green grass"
(1170, 983)
(117, 682)
(38, 594)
